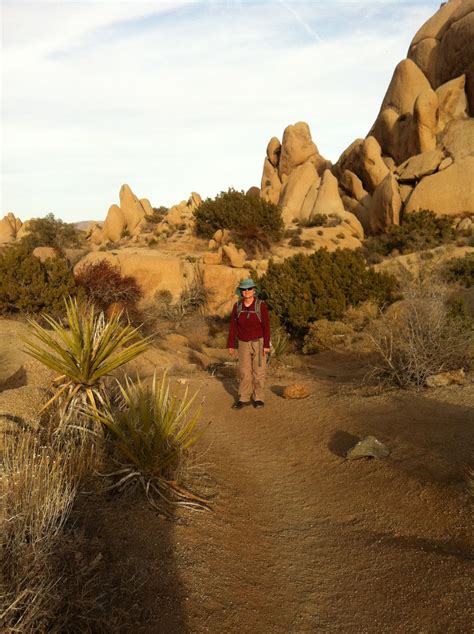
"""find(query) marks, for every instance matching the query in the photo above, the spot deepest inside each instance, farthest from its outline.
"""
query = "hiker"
(250, 327)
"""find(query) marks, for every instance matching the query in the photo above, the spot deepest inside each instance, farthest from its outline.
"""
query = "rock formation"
(9, 228)
(419, 152)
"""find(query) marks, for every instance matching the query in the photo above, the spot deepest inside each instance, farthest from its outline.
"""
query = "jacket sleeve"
(232, 338)
(265, 325)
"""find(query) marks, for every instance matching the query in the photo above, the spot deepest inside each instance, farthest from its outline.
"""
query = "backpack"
(257, 311)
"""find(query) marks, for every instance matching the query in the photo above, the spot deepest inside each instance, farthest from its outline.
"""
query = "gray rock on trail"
(368, 447)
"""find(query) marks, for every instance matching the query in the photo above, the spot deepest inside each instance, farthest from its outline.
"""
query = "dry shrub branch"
(424, 334)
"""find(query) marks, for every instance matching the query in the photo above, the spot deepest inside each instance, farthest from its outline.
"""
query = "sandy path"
(301, 540)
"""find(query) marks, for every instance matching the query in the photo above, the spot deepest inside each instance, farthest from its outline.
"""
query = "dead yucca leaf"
(152, 431)
(83, 351)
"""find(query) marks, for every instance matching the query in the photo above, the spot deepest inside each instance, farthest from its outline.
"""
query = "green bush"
(322, 285)
(50, 232)
(321, 220)
(461, 270)
(327, 335)
(419, 230)
(254, 224)
(31, 286)
(158, 215)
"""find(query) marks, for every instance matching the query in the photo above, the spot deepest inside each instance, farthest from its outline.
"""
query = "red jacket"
(248, 327)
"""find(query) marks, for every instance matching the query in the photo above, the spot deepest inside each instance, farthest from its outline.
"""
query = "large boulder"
(132, 209)
(458, 138)
(294, 193)
(448, 192)
(271, 184)
(297, 148)
(152, 270)
(443, 47)
(386, 205)
(220, 283)
(452, 101)
(373, 168)
(114, 225)
(9, 227)
(414, 168)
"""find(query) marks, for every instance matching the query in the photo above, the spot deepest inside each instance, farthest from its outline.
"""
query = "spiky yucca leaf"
(85, 350)
(152, 431)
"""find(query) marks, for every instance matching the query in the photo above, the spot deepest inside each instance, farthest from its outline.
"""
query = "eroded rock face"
(292, 173)
(449, 192)
(9, 228)
(443, 48)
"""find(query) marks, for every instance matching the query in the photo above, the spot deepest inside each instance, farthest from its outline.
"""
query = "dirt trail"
(301, 540)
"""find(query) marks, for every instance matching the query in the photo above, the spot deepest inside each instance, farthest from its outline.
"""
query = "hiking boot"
(239, 405)
(258, 404)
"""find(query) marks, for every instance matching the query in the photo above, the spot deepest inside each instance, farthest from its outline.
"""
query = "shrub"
(151, 432)
(326, 335)
(461, 270)
(158, 214)
(322, 285)
(280, 342)
(50, 232)
(423, 335)
(254, 224)
(296, 241)
(105, 285)
(84, 352)
(29, 285)
(419, 230)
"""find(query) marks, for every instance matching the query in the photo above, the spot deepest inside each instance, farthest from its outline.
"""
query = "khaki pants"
(252, 366)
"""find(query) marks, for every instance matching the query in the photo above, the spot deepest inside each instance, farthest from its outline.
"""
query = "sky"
(181, 96)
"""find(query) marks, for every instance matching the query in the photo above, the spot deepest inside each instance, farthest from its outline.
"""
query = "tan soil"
(301, 540)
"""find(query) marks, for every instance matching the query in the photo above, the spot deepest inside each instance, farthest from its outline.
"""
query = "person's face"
(247, 293)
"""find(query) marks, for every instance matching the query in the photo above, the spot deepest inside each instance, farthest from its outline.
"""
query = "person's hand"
(267, 350)
(232, 352)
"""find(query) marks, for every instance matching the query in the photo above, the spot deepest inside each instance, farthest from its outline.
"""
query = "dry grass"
(420, 336)
(38, 492)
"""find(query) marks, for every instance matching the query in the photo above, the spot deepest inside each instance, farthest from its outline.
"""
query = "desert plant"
(253, 222)
(420, 336)
(418, 230)
(322, 285)
(37, 492)
(280, 343)
(29, 285)
(461, 270)
(158, 214)
(105, 285)
(151, 432)
(50, 232)
(83, 352)
(326, 335)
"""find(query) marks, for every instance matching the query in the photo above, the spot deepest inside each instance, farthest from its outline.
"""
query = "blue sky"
(174, 97)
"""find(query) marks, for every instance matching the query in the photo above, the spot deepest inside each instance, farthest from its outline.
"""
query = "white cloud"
(174, 97)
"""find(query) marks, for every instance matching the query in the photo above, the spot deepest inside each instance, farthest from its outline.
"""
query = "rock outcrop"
(9, 228)
(126, 219)
(418, 153)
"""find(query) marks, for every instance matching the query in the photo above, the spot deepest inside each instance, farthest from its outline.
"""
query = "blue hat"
(247, 283)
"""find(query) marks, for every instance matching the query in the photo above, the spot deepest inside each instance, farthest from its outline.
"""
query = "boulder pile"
(419, 154)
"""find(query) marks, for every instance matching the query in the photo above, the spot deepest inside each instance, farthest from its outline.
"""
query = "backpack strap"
(258, 309)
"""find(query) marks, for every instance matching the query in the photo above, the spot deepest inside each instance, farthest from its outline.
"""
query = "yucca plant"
(151, 431)
(83, 351)
(280, 343)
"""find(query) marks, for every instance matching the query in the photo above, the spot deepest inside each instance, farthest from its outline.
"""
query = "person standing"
(250, 329)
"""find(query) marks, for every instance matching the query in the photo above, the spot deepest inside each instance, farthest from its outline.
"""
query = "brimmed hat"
(246, 284)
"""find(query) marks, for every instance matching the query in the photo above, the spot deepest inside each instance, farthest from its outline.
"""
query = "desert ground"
(301, 539)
